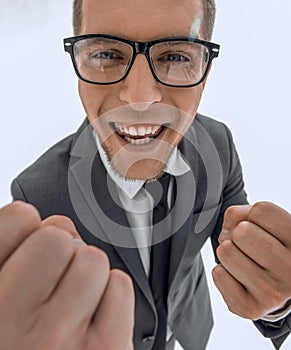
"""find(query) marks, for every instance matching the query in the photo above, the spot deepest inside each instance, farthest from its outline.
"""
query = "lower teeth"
(139, 142)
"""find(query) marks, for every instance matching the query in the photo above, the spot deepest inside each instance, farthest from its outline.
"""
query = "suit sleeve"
(17, 192)
(277, 331)
(234, 194)
(233, 190)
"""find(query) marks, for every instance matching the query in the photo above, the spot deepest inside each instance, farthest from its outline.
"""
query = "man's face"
(138, 120)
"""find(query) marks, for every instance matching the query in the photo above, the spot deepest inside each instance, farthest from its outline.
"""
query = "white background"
(249, 89)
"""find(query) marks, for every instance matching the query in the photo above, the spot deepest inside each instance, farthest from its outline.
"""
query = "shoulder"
(217, 130)
(206, 133)
(49, 164)
(52, 164)
(211, 141)
(44, 182)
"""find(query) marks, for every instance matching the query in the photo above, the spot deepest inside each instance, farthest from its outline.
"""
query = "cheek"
(92, 97)
(188, 99)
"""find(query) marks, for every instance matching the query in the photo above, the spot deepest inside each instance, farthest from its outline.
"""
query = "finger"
(131, 346)
(72, 306)
(241, 267)
(232, 217)
(31, 274)
(273, 219)
(115, 315)
(234, 294)
(63, 222)
(263, 248)
(17, 221)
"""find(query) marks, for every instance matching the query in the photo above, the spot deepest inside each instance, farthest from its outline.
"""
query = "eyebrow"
(176, 43)
(153, 38)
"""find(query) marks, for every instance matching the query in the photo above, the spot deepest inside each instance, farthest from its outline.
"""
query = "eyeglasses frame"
(143, 48)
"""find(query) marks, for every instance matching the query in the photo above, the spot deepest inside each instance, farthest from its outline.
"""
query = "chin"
(145, 169)
(138, 162)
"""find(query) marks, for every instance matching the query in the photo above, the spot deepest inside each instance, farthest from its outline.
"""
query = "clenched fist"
(255, 259)
(55, 291)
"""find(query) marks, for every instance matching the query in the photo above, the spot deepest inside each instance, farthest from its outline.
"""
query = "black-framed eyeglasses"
(105, 59)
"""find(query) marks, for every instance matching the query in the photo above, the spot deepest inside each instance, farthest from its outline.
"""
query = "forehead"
(141, 20)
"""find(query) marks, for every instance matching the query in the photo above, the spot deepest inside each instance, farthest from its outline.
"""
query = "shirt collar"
(176, 166)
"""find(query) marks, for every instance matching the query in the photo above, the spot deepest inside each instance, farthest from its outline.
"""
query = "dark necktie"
(159, 268)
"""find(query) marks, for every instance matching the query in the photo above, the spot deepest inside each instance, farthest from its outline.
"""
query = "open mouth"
(141, 134)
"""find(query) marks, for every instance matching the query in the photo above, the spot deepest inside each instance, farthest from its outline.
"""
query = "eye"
(174, 57)
(105, 55)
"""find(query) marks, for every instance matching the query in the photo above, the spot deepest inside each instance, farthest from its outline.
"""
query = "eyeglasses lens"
(102, 60)
(179, 63)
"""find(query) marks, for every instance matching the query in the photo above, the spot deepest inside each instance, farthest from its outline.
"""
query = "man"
(43, 263)
(142, 68)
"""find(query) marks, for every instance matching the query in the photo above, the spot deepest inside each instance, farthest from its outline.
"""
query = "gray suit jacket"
(70, 179)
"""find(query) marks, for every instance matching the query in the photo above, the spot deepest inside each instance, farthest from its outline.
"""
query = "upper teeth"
(137, 130)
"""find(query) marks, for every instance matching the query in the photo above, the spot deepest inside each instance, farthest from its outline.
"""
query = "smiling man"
(148, 179)
(136, 88)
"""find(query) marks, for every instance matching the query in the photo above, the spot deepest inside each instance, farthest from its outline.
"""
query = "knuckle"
(224, 249)
(242, 230)
(259, 208)
(62, 221)
(217, 272)
(26, 210)
(93, 264)
(95, 257)
(55, 236)
(233, 212)
(51, 243)
(122, 281)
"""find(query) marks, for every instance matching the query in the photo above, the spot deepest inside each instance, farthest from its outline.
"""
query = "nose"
(139, 88)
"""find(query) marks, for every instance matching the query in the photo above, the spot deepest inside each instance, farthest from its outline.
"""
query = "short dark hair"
(77, 16)
(209, 9)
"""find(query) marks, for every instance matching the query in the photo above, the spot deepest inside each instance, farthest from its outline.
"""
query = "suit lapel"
(96, 202)
(182, 214)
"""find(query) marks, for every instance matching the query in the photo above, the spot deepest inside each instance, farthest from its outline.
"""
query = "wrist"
(279, 313)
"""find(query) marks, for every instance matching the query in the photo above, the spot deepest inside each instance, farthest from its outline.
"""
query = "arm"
(43, 264)
(234, 195)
